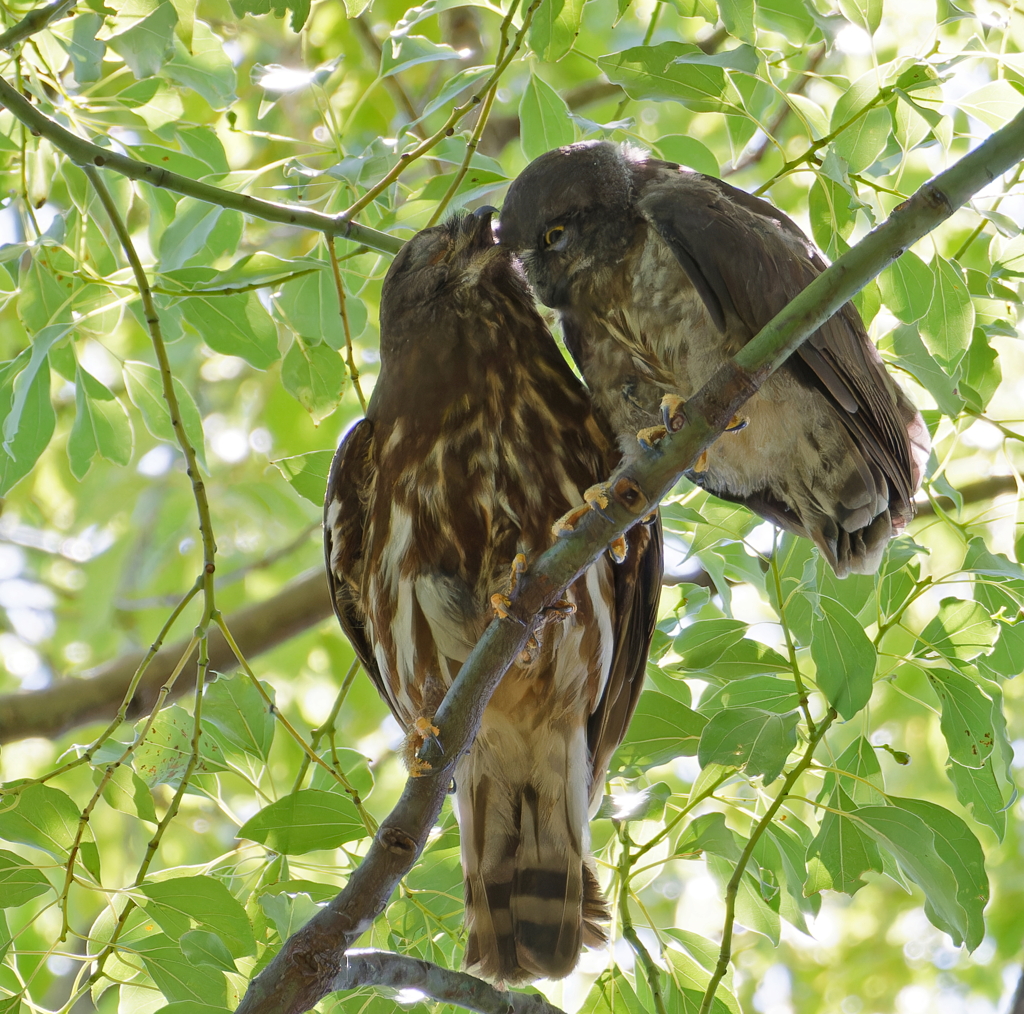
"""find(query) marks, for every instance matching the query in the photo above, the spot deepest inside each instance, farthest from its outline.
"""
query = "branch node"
(628, 493)
(396, 841)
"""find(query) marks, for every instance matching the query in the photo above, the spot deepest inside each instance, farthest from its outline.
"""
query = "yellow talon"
(567, 523)
(701, 464)
(422, 730)
(672, 414)
(597, 496)
(736, 423)
(501, 604)
(618, 549)
(651, 436)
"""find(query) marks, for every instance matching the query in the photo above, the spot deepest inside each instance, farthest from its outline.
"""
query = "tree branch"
(398, 971)
(34, 21)
(304, 969)
(74, 701)
(83, 152)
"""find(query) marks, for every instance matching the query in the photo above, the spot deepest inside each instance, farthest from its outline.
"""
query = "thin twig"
(339, 285)
(732, 889)
(408, 157)
(758, 153)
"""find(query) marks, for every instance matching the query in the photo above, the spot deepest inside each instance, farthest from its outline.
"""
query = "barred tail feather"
(532, 898)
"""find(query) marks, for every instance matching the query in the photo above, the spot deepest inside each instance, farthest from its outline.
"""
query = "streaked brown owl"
(476, 440)
(660, 275)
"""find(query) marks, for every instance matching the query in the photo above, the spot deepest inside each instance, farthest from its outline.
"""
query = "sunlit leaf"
(843, 657)
(305, 821)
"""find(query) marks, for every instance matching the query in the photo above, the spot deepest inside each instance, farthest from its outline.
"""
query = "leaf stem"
(732, 889)
(353, 371)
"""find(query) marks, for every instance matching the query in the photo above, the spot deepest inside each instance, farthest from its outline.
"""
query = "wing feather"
(637, 589)
(747, 260)
(345, 518)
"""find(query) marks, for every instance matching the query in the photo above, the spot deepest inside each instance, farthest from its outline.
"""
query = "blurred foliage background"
(836, 114)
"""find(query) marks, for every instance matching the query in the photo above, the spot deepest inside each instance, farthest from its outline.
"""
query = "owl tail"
(532, 897)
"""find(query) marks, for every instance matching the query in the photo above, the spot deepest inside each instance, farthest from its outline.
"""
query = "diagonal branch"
(35, 21)
(399, 971)
(85, 153)
(304, 969)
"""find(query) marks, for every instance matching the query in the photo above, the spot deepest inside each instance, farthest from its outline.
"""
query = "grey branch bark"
(74, 701)
(304, 969)
(399, 971)
(35, 21)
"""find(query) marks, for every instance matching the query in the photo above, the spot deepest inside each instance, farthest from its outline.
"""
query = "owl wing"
(345, 509)
(747, 260)
(637, 587)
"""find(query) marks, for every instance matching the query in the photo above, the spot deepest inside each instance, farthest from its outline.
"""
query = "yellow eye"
(551, 236)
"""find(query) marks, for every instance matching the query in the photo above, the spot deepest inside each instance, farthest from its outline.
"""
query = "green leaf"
(688, 151)
(862, 142)
(982, 371)
(299, 9)
(309, 305)
(20, 881)
(101, 426)
(949, 323)
(751, 908)
(178, 901)
(910, 839)
(554, 29)
(649, 72)
(866, 14)
(764, 692)
(234, 326)
(186, 236)
(978, 791)
(207, 69)
(126, 791)
(314, 375)
(862, 781)
(43, 817)
(916, 360)
(305, 821)
(613, 994)
(790, 18)
(708, 833)
(307, 473)
(843, 656)
(175, 976)
(961, 630)
(203, 948)
(85, 50)
(841, 852)
(962, 852)
(738, 17)
(236, 709)
(190, 1006)
(756, 740)
(148, 43)
(163, 756)
(288, 912)
(702, 643)
(399, 53)
(544, 119)
(967, 718)
(145, 388)
(662, 728)
(906, 286)
(29, 391)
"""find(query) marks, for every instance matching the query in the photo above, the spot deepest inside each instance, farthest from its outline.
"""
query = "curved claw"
(672, 413)
(567, 523)
(651, 436)
(598, 497)
(619, 549)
